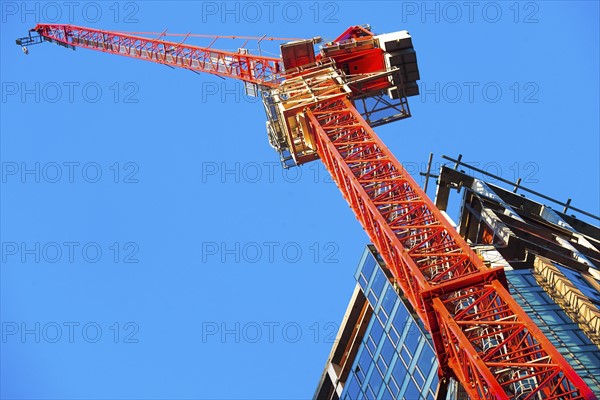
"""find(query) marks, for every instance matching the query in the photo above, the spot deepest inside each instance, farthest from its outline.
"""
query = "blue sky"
(153, 248)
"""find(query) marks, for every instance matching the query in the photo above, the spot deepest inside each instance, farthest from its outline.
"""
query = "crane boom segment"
(261, 70)
(481, 335)
(324, 106)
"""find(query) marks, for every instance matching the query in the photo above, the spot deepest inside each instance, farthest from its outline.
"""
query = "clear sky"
(153, 248)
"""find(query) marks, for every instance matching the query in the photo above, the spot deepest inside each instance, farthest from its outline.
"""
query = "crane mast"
(324, 106)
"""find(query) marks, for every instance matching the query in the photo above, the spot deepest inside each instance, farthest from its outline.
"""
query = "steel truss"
(264, 71)
(480, 334)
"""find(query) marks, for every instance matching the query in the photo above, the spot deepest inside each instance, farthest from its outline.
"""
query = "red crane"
(324, 106)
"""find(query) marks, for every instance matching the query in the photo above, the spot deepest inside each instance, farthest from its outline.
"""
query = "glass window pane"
(372, 298)
(371, 345)
(363, 366)
(362, 282)
(375, 380)
(382, 316)
(405, 356)
(400, 320)
(426, 359)
(381, 365)
(394, 337)
(376, 331)
(412, 337)
(368, 267)
(387, 395)
(352, 389)
(418, 378)
(378, 283)
(412, 393)
(387, 352)
(393, 386)
(552, 317)
(369, 393)
(389, 299)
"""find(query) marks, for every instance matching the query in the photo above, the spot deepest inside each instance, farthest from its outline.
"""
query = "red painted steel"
(265, 71)
(481, 335)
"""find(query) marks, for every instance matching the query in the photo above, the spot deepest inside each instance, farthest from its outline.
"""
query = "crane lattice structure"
(323, 106)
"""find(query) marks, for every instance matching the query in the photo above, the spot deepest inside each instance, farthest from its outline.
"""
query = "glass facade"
(558, 327)
(395, 359)
(551, 262)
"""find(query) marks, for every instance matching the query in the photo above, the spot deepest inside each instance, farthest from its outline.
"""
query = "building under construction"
(501, 305)
(552, 264)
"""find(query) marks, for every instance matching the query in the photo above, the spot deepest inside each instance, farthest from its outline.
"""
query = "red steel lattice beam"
(481, 335)
(265, 71)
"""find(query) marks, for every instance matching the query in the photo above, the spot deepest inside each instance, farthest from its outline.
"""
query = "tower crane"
(323, 104)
